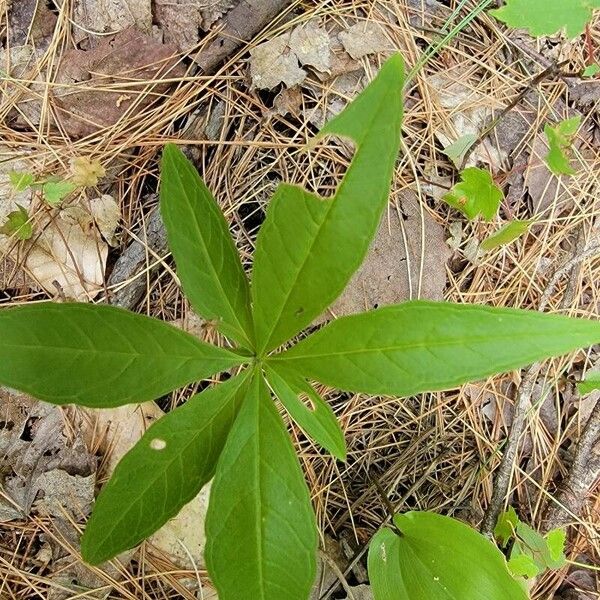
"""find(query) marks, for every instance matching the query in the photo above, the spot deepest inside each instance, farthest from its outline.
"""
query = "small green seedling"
(506, 234)
(17, 224)
(85, 172)
(560, 139)
(475, 194)
(261, 533)
(590, 383)
(532, 553)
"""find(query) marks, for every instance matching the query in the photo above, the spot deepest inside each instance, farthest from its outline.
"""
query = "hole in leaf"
(158, 444)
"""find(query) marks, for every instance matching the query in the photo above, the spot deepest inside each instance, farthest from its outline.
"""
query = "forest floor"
(89, 96)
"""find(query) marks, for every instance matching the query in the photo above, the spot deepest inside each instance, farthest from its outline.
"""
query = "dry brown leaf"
(86, 172)
(183, 537)
(546, 189)
(213, 10)
(180, 21)
(110, 16)
(365, 38)
(66, 257)
(463, 110)
(272, 63)
(22, 63)
(278, 60)
(406, 260)
(30, 21)
(123, 61)
(311, 44)
(36, 451)
(360, 592)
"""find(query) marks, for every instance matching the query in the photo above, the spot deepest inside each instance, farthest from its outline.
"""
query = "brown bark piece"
(105, 84)
(239, 25)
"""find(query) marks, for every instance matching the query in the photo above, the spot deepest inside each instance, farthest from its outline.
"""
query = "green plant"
(532, 553)
(260, 519)
(560, 139)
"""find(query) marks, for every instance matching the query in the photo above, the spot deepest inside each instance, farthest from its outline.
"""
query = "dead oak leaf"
(103, 85)
(279, 60)
(365, 38)
(180, 21)
(109, 16)
(406, 260)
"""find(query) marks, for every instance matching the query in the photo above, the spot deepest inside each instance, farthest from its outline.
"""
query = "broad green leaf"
(457, 150)
(591, 71)
(523, 565)
(208, 263)
(261, 535)
(590, 383)
(308, 247)
(547, 17)
(164, 471)
(320, 423)
(17, 224)
(475, 194)
(21, 180)
(438, 558)
(506, 526)
(99, 356)
(560, 139)
(425, 346)
(506, 234)
(57, 190)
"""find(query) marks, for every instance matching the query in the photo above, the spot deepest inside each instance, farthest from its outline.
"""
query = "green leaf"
(475, 194)
(523, 565)
(208, 263)
(591, 71)
(425, 346)
(556, 539)
(57, 190)
(533, 544)
(590, 383)
(99, 356)
(17, 224)
(308, 248)
(457, 150)
(21, 180)
(506, 234)
(438, 558)
(164, 471)
(547, 17)
(506, 526)
(261, 535)
(560, 139)
(320, 423)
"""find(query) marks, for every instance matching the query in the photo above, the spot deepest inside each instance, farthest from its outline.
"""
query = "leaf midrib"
(413, 346)
(266, 346)
(232, 311)
(119, 353)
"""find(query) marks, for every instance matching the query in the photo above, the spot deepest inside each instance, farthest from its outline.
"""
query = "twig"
(504, 473)
(553, 69)
(582, 476)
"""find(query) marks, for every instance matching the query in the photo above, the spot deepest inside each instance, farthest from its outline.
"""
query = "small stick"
(504, 474)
